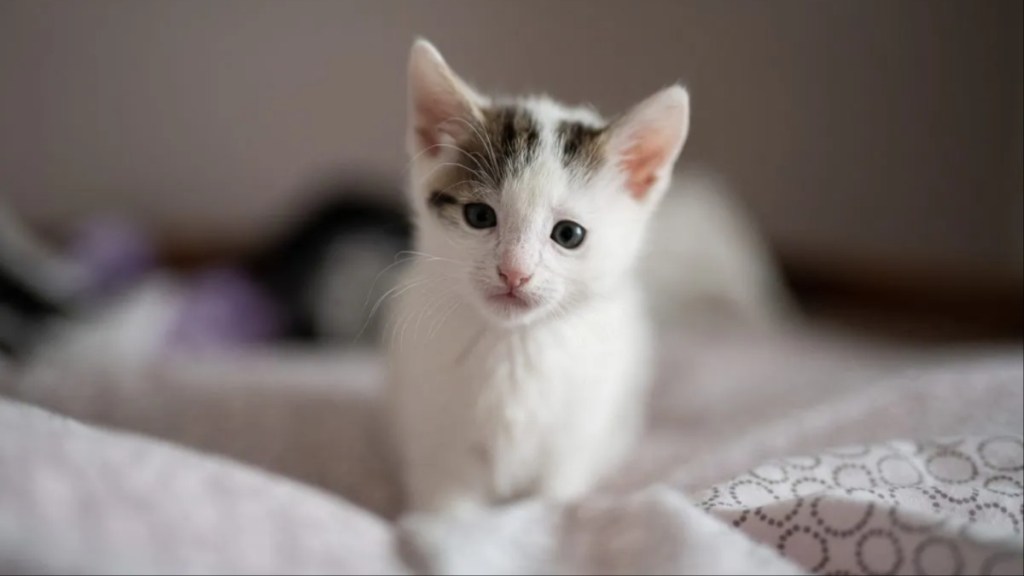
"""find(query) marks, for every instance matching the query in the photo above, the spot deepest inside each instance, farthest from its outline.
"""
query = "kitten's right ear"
(442, 108)
(646, 142)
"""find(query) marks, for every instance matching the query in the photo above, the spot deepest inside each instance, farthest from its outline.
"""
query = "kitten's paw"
(514, 539)
(427, 534)
(420, 541)
(567, 486)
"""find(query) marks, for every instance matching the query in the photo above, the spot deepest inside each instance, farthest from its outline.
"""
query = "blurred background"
(878, 145)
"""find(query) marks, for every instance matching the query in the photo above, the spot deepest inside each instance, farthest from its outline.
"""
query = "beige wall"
(883, 131)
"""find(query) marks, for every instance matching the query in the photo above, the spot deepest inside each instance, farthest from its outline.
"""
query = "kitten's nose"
(513, 277)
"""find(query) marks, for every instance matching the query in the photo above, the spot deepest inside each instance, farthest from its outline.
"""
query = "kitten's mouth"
(510, 300)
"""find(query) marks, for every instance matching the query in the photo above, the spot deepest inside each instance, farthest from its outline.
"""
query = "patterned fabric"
(945, 507)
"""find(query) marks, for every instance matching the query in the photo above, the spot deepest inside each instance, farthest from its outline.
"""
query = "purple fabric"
(224, 308)
(114, 253)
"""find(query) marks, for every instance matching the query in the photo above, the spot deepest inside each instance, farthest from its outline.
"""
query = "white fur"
(493, 403)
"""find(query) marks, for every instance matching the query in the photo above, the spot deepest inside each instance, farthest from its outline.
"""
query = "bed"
(768, 452)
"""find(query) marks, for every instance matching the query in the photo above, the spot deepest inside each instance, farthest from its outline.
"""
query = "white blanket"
(767, 453)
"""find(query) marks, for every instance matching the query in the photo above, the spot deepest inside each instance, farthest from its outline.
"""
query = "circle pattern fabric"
(954, 506)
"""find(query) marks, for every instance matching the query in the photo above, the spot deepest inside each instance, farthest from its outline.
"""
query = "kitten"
(520, 351)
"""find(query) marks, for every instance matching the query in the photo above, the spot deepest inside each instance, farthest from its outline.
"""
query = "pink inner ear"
(436, 121)
(429, 116)
(428, 141)
(641, 163)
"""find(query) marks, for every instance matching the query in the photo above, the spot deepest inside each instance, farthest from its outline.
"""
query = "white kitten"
(520, 352)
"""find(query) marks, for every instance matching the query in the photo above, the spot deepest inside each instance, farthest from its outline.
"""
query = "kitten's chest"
(521, 395)
(508, 391)
(510, 399)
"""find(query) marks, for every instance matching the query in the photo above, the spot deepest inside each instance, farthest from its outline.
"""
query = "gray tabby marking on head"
(512, 136)
(505, 140)
(497, 148)
(581, 145)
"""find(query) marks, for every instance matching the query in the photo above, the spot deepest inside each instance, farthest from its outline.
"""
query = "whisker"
(433, 257)
(376, 278)
(429, 309)
(401, 290)
(437, 327)
(485, 141)
(430, 174)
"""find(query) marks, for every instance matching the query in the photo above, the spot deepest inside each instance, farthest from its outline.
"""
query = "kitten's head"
(528, 206)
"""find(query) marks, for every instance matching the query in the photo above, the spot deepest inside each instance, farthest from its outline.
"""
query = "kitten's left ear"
(646, 142)
(441, 105)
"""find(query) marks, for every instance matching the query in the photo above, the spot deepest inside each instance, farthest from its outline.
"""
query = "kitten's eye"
(569, 234)
(480, 215)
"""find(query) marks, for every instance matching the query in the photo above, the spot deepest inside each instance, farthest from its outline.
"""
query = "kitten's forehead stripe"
(513, 136)
(445, 207)
(440, 199)
(506, 139)
(581, 145)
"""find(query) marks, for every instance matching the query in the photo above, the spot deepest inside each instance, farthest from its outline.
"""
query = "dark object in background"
(318, 282)
(35, 287)
(329, 269)
(23, 309)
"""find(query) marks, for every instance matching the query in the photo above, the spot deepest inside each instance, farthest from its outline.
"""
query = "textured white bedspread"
(766, 454)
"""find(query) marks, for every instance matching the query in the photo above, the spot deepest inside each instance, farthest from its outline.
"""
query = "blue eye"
(568, 234)
(479, 215)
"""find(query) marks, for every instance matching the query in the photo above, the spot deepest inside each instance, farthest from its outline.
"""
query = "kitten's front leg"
(592, 447)
(437, 511)
(573, 467)
(578, 472)
(566, 483)
(451, 485)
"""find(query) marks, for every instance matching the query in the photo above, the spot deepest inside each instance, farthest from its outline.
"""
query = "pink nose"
(513, 277)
